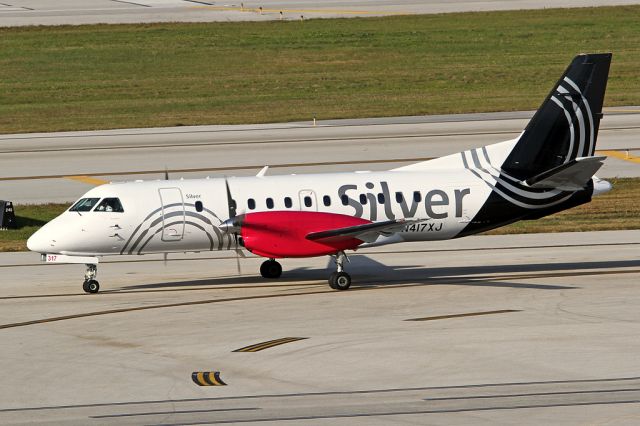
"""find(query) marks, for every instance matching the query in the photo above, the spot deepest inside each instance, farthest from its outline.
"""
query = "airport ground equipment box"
(7, 215)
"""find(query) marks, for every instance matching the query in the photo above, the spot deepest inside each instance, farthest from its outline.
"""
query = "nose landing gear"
(90, 284)
(340, 280)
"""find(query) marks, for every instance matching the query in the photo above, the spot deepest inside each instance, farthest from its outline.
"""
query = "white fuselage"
(162, 216)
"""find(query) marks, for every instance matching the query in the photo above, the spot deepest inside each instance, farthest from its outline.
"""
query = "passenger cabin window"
(84, 205)
(345, 200)
(199, 206)
(363, 199)
(417, 197)
(381, 198)
(110, 205)
(326, 200)
(251, 203)
(399, 197)
(269, 203)
(287, 202)
(307, 201)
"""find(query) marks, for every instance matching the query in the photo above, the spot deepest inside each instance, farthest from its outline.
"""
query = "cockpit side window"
(111, 205)
(84, 205)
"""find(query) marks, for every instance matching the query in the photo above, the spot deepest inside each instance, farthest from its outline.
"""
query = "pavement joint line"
(372, 253)
(333, 11)
(406, 412)
(520, 395)
(452, 281)
(157, 413)
(263, 142)
(131, 2)
(268, 141)
(438, 280)
(221, 169)
(325, 393)
(87, 176)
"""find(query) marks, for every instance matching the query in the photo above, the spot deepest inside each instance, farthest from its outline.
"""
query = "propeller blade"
(230, 201)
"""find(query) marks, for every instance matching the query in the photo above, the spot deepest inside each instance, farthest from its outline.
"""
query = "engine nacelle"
(278, 234)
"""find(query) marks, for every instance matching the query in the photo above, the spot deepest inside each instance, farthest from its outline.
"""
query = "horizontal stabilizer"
(367, 232)
(571, 176)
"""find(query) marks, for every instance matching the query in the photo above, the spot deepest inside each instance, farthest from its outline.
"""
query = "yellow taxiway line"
(87, 179)
(621, 156)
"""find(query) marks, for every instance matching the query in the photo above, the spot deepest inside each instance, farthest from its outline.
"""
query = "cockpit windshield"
(110, 205)
(84, 205)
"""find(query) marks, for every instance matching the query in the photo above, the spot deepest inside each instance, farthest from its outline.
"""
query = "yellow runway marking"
(207, 378)
(621, 155)
(469, 314)
(334, 11)
(269, 344)
(87, 179)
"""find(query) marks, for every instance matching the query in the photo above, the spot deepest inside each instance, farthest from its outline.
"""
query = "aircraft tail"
(565, 127)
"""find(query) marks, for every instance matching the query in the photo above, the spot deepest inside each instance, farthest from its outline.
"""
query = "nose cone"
(39, 242)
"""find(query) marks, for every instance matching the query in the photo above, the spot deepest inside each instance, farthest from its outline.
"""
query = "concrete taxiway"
(519, 329)
(75, 12)
(62, 166)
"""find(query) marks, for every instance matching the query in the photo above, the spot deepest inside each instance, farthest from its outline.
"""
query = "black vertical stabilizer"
(566, 125)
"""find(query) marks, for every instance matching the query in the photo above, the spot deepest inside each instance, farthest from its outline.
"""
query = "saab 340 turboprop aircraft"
(550, 167)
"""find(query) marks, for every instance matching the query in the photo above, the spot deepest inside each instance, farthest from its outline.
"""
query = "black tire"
(85, 286)
(270, 269)
(93, 286)
(332, 280)
(342, 281)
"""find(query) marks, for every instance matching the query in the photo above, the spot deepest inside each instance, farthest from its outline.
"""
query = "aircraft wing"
(367, 232)
(571, 176)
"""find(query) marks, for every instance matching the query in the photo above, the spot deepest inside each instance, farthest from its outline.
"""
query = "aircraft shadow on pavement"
(369, 272)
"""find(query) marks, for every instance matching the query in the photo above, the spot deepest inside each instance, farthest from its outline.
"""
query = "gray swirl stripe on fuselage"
(507, 196)
(176, 213)
(520, 190)
(176, 223)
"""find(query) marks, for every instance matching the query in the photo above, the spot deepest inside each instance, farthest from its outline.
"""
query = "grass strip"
(615, 210)
(117, 76)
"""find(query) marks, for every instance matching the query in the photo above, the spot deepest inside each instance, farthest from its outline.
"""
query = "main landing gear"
(90, 284)
(340, 280)
(270, 269)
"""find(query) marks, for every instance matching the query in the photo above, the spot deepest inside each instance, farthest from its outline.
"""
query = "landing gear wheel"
(332, 280)
(341, 281)
(270, 269)
(91, 286)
